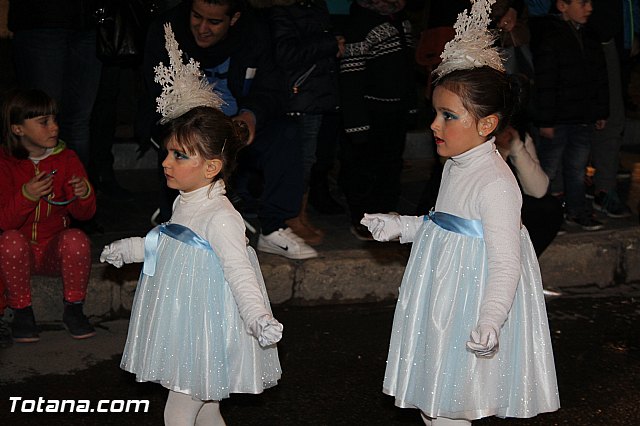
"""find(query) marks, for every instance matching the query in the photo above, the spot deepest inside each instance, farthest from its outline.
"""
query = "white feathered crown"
(473, 44)
(184, 86)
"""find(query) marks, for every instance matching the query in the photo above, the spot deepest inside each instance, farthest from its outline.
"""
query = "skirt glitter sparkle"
(429, 366)
(186, 332)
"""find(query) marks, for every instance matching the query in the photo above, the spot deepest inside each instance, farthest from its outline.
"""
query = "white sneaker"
(285, 243)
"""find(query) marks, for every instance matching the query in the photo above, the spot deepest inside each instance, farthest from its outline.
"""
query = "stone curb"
(603, 259)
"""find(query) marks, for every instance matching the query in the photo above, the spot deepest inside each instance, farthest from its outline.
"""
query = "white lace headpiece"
(473, 44)
(184, 86)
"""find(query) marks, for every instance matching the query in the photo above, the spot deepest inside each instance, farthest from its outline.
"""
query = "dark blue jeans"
(63, 64)
(270, 174)
(308, 130)
(564, 159)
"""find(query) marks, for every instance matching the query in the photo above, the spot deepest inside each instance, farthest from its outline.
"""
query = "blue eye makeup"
(449, 116)
(180, 155)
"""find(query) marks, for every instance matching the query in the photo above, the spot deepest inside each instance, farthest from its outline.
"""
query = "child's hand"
(127, 250)
(80, 186)
(383, 227)
(388, 227)
(40, 185)
(267, 330)
(484, 341)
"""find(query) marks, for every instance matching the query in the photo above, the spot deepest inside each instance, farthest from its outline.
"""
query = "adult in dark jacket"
(233, 51)
(377, 95)
(571, 101)
(307, 51)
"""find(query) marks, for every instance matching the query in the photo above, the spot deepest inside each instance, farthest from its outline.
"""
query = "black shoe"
(76, 322)
(623, 173)
(23, 326)
(5, 334)
(610, 204)
(587, 223)
(590, 191)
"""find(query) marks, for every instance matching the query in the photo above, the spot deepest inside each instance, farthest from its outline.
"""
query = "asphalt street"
(333, 360)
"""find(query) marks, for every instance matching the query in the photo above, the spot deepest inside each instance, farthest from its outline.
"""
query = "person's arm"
(17, 205)
(84, 206)
(387, 227)
(4, 15)
(126, 250)
(500, 204)
(227, 238)
(523, 156)
(261, 88)
(546, 76)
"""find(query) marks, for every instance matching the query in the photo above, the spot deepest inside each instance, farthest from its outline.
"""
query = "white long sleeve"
(532, 178)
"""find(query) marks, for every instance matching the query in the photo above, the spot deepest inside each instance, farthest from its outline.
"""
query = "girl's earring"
(481, 133)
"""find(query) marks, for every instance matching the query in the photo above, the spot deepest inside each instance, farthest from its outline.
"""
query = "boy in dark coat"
(572, 100)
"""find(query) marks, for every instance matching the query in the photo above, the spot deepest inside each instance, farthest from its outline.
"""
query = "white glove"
(386, 227)
(484, 341)
(127, 250)
(267, 330)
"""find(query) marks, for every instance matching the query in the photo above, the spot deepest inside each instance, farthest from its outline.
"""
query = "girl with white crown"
(470, 333)
(201, 324)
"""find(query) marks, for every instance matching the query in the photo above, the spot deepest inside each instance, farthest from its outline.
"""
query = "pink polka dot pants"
(68, 254)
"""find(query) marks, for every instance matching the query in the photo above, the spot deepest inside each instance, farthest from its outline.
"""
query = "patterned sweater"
(376, 71)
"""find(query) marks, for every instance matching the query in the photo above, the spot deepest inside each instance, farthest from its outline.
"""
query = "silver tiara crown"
(184, 86)
(473, 44)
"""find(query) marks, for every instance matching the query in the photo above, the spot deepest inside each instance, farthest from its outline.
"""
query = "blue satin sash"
(468, 227)
(173, 230)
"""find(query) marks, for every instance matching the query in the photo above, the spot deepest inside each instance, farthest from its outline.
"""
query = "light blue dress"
(185, 330)
(429, 366)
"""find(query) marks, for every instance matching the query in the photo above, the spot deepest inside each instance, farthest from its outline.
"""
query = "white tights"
(182, 410)
(443, 421)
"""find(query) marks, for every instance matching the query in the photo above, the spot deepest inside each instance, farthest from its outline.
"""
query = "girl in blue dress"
(470, 335)
(201, 324)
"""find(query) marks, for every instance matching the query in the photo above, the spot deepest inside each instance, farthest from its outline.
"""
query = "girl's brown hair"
(19, 105)
(209, 133)
(484, 91)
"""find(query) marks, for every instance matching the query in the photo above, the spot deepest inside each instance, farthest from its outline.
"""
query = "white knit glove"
(386, 227)
(267, 330)
(484, 341)
(127, 250)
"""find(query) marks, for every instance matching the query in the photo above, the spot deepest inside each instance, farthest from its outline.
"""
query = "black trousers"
(370, 170)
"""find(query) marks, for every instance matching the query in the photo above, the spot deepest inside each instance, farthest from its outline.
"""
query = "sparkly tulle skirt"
(429, 366)
(185, 330)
